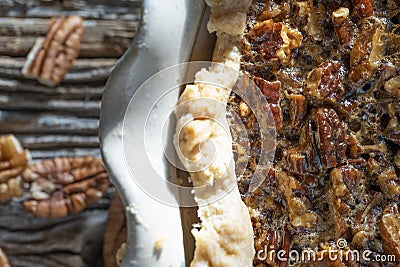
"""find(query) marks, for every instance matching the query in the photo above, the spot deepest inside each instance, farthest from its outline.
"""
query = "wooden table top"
(60, 121)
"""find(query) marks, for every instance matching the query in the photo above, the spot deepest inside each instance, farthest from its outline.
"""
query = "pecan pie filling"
(330, 71)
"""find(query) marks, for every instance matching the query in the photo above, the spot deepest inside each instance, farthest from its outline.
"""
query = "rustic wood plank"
(20, 46)
(34, 102)
(42, 142)
(101, 38)
(82, 71)
(80, 64)
(96, 30)
(32, 241)
(105, 9)
(59, 152)
(64, 91)
(45, 123)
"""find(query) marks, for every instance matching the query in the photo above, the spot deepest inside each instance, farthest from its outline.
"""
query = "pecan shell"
(50, 58)
(63, 186)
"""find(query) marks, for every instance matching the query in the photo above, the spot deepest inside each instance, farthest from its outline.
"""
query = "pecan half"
(325, 83)
(330, 137)
(297, 161)
(309, 13)
(298, 109)
(274, 41)
(13, 160)
(392, 86)
(356, 150)
(389, 182)
(345, 182)
(50, 58)
(300, 213)
(343, 26)
(367, 52)
(390, 231)
(271, 90)
(3, 259)
(363, 8)
(64, 185)
(348, 190)
(323, 141)
(274, 11)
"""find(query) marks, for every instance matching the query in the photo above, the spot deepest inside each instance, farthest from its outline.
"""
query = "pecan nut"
(330, 136)
(13, 160)
(390, 231)
(271, 90)
(325, 83)
(367, 52)
(300, 213)
(348, 189)
(363, 8)
(115, 234)
(274, 41)
(323, 142)
(343, 26)
(50, 59)
(63, 186)
(298, 109)
(275, 11)
(392, 86)
(272, 240)
(345, 181)
(309, 13)
(389, 182)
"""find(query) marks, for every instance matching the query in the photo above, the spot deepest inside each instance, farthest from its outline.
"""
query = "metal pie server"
(172, 32)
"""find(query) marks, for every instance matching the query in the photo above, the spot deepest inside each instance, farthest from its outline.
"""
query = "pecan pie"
(333, 69)
(330, 72)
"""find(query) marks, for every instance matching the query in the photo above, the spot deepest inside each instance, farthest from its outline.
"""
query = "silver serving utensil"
(173, 31)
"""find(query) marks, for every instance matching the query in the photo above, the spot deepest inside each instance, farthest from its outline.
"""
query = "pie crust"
(225, 237)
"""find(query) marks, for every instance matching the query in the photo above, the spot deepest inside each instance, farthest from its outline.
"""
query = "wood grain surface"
(60, 121)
